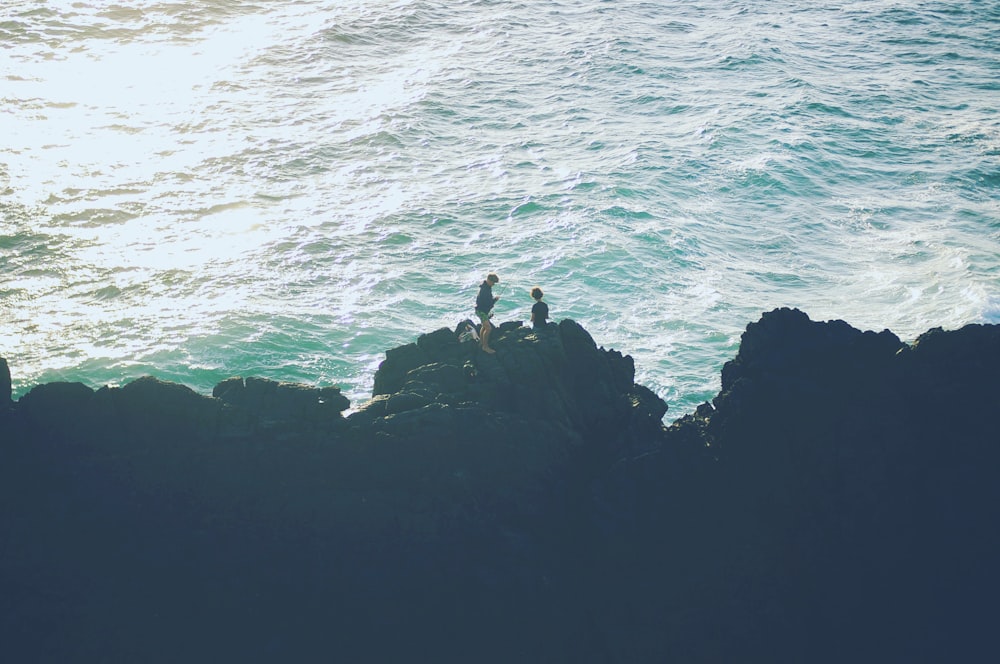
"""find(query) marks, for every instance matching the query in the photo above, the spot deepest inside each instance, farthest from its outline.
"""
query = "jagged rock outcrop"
(460, 479)
(5, 384)
(835, 502)
(155, 410)
(555, 378)
(846, 493)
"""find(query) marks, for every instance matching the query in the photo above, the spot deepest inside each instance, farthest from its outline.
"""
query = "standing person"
(484, 309)
(539, 310)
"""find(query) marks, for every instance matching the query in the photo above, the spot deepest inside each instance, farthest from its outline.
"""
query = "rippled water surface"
(287, 189)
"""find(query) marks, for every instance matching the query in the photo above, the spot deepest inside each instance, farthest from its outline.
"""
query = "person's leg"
(484, 333)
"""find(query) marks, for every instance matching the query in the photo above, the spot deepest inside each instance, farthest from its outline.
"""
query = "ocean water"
(209, 188)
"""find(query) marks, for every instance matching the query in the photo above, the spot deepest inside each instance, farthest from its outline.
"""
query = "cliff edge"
(836, 501)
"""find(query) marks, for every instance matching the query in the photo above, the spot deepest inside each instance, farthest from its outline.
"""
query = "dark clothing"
(539, 314)
(485, 301)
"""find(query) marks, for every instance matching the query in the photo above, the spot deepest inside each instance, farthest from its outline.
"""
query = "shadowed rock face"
(555, 379)
(835, 502)
(5, 384)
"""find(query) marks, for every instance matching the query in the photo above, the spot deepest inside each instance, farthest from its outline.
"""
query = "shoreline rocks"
(834, 502)
(5, 383)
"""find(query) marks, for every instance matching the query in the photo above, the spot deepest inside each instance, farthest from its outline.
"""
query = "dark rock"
(230, 390)
(786, 342)
(437, 377)
(438, 343)
(59, 406)
(560, 377)
(5, 383)
(403, 401)
(332, 399)
(508, 326)
(263, 403)
(834, 502)
(292, 401)
(843, 469)
(151, 407)
(258, 393)
(963, 360)
(398, 362)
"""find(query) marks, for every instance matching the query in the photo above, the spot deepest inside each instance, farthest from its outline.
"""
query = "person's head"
(536, 293)
(492, 278)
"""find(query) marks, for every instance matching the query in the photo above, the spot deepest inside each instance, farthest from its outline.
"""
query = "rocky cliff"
(835, 502)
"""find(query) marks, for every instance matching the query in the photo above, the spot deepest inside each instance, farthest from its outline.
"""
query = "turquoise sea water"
(287, 189)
